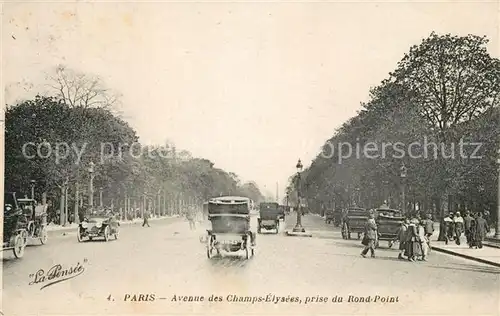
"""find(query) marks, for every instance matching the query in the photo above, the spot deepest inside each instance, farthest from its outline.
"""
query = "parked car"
(98, 224)
(15, 234)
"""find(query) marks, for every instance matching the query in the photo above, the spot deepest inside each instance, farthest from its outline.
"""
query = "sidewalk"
(487, 255)
(54, 229)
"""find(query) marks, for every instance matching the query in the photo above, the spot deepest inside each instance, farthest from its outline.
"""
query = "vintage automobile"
(100, 223)
(230, 231)
(15, 235)
(269, 217)
(388, 223)
(36, 216)
(354, 220)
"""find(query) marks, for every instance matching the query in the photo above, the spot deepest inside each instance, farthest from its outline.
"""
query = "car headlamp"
(85, 224)
(98, 224)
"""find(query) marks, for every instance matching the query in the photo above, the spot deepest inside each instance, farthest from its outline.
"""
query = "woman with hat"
(413, 246)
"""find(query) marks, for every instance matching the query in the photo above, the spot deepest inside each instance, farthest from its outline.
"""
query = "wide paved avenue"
(168, 259)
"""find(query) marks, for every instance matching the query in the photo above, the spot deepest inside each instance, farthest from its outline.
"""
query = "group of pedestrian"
(474, 226)
(413, 236)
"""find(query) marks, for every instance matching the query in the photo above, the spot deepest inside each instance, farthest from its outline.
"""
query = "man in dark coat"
(370, 237)
(481, 230)
(146, 216)
(468, 222)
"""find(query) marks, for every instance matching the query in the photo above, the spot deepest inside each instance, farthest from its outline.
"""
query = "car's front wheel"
(19, 246)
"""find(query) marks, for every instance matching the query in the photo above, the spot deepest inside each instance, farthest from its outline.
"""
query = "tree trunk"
(66, 205)
(61, 207)
(77, 196)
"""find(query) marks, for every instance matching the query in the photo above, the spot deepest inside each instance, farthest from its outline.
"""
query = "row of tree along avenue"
(428, 138)
(73, 150)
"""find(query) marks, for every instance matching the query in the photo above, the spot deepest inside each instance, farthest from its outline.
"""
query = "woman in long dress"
(413, 247)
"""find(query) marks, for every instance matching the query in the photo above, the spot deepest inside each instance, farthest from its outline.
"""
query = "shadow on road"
(229, 260)
(490, 270)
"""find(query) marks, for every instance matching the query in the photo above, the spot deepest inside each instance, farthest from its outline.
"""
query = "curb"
(70, 229)
(496, 264)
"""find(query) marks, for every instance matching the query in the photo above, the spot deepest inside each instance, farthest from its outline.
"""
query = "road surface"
(168, 259)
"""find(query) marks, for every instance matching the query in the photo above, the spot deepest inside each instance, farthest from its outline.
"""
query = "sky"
(252, 86)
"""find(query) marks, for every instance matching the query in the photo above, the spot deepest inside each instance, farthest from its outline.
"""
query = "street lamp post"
(91, 185)
(32, 185)
(298, 227)
(100, 198)
(403, 178)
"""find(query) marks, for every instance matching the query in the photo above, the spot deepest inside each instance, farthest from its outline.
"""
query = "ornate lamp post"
(298, 227)
(403, 178)
(91, 185)
(100, 198)
(32, 185)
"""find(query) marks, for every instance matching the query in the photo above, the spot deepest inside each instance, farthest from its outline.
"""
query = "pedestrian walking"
(424, 241)
(146, 216)
(459, 227)
(468, 223)
(191, 217)
(447, 227)
(370, 237)
(481, 229)
(428, 224)
(400, 236)
(413, 247)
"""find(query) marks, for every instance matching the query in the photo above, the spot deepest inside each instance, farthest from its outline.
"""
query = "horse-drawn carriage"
(269, 217)
(353, 221)
(230, 219)
(15, 223)
(388, 223)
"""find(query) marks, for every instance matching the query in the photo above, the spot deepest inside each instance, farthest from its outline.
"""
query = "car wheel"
(106, 233)
(19, 246)
(44, 236)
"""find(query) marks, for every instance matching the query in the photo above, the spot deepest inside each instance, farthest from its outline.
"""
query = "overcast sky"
(251, 86)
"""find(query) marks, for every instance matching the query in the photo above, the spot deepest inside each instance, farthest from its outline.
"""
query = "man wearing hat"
(468, 222)
(370, 238)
